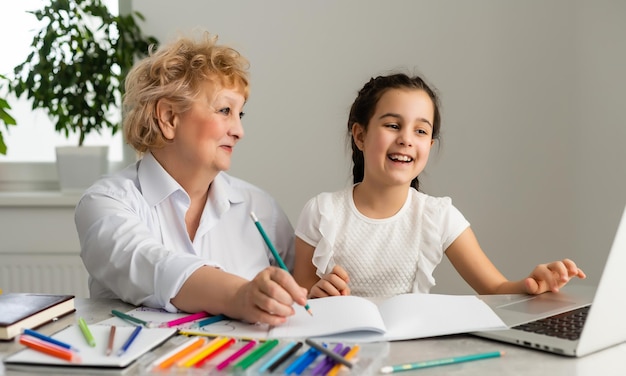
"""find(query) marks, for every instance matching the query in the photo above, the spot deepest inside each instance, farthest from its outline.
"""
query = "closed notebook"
(24, 310)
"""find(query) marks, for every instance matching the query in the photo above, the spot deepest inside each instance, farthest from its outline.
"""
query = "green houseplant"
(6, 118)
(77, 63)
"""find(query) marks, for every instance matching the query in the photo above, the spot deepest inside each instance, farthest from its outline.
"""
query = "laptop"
(599, 315)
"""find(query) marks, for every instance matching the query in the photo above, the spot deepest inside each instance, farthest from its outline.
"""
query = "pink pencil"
(236, 355)
(186, 319)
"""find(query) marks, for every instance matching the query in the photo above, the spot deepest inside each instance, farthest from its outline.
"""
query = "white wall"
(533, 120)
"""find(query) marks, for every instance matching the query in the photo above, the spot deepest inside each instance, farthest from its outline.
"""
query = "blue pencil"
(307, 361)
(440, 362)
(43, 337)
(293, 350)
(273, 359)
(129, 341)
(294, 365)
(275, 253)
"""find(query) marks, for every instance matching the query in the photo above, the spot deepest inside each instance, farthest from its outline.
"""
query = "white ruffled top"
(383, 257)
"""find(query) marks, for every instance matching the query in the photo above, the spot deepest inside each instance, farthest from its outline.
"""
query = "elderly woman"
(173, 230)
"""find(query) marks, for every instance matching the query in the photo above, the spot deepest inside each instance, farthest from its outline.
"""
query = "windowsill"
(39, 199)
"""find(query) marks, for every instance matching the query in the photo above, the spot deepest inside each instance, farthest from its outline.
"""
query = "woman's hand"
(552, 276)
(332, 284)
(269, 297)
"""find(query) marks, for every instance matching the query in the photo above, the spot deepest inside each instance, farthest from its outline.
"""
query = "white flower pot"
(79, 167)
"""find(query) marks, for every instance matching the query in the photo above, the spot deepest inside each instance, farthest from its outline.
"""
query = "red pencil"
(49, 349)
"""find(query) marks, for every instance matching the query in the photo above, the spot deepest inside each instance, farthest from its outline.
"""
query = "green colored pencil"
(256, 354)
(277, 257)
(132, 319)
(440, 362)
(86, 332)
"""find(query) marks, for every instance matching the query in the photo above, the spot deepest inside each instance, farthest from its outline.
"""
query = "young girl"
(382, 237)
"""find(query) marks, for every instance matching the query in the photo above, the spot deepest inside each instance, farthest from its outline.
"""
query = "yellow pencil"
(215, 335)
(204, 351)
(351, 354)
(182, 351)
(192, 354)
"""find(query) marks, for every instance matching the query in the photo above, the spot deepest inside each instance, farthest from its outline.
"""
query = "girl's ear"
(166, 118)
(358, 135)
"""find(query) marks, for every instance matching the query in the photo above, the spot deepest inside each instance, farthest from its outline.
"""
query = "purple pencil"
(317, 370)
(332, 362)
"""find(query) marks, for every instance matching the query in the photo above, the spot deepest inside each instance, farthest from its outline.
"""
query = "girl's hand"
(269, 297)
(552, 276)
(332, 284)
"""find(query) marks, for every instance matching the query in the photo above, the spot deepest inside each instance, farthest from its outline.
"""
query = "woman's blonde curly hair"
(177, 72)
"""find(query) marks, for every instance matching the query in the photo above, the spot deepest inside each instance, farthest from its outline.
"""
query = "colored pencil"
(256, 354)
(296, 363)
(332, 354)
(86, 332)
(109, 349)
(49, 348)
(222, 346)
(275, 253)
(332, 363)
(132, 319)
(203, 352)
(186, 319)
(236, 355)
(351, 354)
(180, 352)
(45, 338)
(440, 362)
(275, 357)
(210, 320)
(205, 334)
(285, 357)
(129, 341)
(328, 360)
(307, 361)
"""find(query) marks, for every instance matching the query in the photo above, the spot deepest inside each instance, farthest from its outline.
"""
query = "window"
(29, 162)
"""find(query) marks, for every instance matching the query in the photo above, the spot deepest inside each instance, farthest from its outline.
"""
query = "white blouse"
(383, 257)
(134, 241)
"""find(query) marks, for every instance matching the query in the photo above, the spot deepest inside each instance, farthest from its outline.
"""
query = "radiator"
(49, 273)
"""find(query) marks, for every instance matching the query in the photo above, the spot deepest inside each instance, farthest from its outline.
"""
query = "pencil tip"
(310, 312)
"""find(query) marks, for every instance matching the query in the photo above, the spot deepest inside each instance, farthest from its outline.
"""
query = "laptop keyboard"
(567, 325)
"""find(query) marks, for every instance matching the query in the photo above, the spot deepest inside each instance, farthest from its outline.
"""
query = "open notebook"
(359, 319)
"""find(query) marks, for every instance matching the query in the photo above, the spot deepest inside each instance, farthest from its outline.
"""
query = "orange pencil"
(195, 356)
(351, 354)
(218, 350)
(181, 352)
(49, 349)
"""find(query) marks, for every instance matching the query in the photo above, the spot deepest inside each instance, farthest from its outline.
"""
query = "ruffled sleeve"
(442, 223)
(316, 227)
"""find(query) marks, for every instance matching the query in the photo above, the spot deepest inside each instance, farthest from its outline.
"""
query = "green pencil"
(256, 354)
(86, 332)
(279, 260)
(132, 319)
(440, 362)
